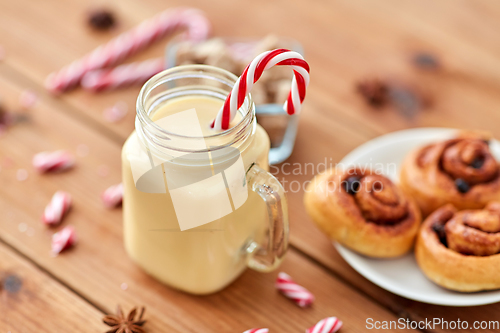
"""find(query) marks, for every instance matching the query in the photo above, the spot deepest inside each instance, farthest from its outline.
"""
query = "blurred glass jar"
(269, 94)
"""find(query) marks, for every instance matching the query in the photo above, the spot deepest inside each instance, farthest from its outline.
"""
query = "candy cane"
(113, 196)
(57, 208)
(55, 161)
(264, 61)
(135, 73)
(129, 43)
(327, 325)
(63, 240)
(257, 330)
(292, 290)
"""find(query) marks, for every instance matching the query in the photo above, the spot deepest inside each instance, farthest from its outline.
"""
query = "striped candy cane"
(257, 330)
(129, 43)
(327, 325)
(63, 240)
(113, 196)
(57, 208)
(54, 161)
(264, 61)
(292, 290)
(135, 73)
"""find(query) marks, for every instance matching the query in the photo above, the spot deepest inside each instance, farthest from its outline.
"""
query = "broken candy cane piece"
(300, 295)
(327, 325)
(55, 161)
(113, 196)
(63, 240)
(57, 208)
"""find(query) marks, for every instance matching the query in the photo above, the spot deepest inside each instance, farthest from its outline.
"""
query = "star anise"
(374, 91)
(129, 324)
(101, 19)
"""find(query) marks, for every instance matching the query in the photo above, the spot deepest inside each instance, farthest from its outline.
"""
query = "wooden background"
(345, 41)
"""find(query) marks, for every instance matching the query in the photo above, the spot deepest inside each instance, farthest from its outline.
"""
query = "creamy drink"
(196, 216)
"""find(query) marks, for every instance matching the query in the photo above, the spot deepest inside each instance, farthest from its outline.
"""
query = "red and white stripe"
(54, 161)
(57, 208)
(113, 196)
(257, 330)
(135, 73)
(129, 43)
(252, 73)
(292, 290)
(63, 240)
(327, 325)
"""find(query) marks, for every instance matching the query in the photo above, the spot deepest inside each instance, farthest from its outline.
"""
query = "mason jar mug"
(199, 205)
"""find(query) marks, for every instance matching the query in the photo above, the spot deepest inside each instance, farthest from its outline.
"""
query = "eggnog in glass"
(199, 205)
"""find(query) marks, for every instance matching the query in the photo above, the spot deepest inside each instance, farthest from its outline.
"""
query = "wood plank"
(345, 41)
(352, 40)
(98, 265)
(460, 81)
(32, 301)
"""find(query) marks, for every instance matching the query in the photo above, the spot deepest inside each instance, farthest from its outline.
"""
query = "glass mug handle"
(266, 257)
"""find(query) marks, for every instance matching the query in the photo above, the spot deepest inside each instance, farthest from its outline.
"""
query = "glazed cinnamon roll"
(459, 250)
(364, 211)
(461, 171)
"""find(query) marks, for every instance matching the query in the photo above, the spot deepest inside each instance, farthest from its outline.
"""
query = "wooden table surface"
(345, 41)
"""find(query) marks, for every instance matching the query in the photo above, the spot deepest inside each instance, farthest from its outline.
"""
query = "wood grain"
(32, 301)
(98, 265)
(345, 41)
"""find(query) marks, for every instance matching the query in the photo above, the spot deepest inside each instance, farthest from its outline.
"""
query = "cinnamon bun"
(364, 211)
(460, 250)
(461, 171)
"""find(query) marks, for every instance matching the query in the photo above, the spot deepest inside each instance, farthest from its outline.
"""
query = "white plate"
(402, 276)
